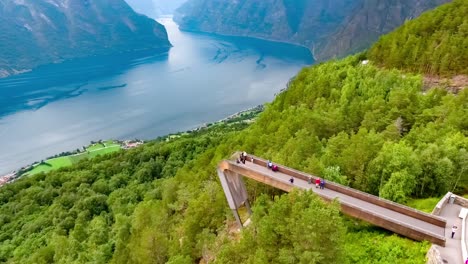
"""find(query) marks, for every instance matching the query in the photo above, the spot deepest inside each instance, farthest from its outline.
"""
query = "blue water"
(203, 78)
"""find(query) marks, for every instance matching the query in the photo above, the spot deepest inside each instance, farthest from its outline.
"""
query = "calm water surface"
(203, 78)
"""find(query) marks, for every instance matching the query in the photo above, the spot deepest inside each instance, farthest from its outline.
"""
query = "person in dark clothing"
(291, 180)
(322, 184)
(242, 157)
(454, 228)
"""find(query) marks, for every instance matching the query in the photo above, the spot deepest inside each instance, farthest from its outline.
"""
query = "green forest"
(435, 43)
(370, 128)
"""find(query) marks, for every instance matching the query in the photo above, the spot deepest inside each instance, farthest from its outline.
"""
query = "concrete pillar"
(235, 192)
(238, 220)
(227, 191)
(247, 205)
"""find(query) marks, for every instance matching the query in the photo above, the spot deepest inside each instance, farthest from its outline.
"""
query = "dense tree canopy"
(434, 43)
(385, 136)
(297, 228)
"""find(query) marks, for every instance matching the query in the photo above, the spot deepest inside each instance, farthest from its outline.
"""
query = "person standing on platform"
(291, 180)
(241, 157)
(454, 228)
(322, 184)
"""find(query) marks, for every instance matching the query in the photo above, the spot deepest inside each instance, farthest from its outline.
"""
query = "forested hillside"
(38, 32)
(355, 124)
(361, 125)
(436, 43)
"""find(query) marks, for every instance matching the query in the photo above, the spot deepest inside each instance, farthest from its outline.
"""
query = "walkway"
(452, 251)
(408, 222)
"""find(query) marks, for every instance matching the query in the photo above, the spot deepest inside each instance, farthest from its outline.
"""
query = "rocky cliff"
(330, 28)
(36, 32)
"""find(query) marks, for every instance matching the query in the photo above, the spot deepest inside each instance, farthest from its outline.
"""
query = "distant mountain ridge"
(36, 32)
(155, 8)
(329, 28)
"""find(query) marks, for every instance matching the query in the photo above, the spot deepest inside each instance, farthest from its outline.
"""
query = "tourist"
(322, 184)
(291, 180)
(275, 168)
(243, 157)
(317, 182)
(309, 180)
(269, 164)
(466, 261)
(454, 228)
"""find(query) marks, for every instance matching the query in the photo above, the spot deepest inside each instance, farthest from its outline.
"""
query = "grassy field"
(91, 152)
(51, 164)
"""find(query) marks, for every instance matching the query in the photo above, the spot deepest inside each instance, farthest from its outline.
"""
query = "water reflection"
(35, 89)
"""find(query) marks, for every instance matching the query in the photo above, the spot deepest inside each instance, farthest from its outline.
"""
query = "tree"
(334, 174)
(395, 160)
(295, 228)
(398, 187)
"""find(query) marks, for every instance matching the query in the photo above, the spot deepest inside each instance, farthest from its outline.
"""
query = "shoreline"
(16, 174)
(311, 52)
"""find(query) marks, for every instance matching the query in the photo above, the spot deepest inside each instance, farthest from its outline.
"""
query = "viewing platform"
(392, 216)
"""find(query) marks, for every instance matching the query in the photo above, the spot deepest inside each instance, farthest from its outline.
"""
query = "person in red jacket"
(275, 168)
(317, 182)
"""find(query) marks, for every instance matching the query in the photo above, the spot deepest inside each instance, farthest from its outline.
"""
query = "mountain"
(164, 7)
(330, 28)
(36, 32)
(436, 43)
(155, 8)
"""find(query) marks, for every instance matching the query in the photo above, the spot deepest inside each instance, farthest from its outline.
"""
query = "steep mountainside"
(329, 28)
(35, 32)
(436, 43)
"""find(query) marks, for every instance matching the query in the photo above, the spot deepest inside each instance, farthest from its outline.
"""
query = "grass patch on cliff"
(425, 205)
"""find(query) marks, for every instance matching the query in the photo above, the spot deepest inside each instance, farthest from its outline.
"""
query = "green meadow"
(91, 152)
